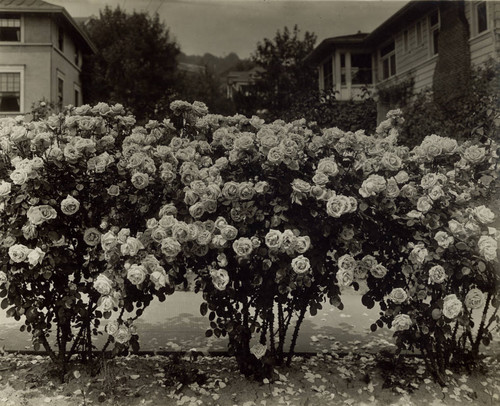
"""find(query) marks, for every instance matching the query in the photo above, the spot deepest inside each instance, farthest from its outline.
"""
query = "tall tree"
(136, 63)
(285, 77)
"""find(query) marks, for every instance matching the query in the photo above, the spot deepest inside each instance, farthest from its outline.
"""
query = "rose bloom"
(328, 167)
(229, 232)
(18, 253)
(289, 241)
(159, 279)
(258, 350)
(70, 205)
(220, 278)
(378, 271)
(401, 177)
(220, 222)
(180, 231)
(391, 161)
(373, 185)
(204, 237)
(488, 247)
(347, 262)
(131, 246)
(474, 299)
(136, 274)
(337, 205)
(274, 239)
(392, 191)
(36, 256)
(345, 277)
(451, 306)
(3, 278)
(429, 180)
(113, 190)
(108, 241)
(140, 180)
(456, 227)
(246, 191)
(320, 179)
(424, 204)
(197, 210)
(103, 284)
(5, 188)
(302, 244)
(301, 186)
(436, 192)
(402, 322)
(112, 327)
(19, 176)
(123, 335)
(275, 155)
(230, 190)
(408, 191)
(437, 274)
(301, 264)
(444, 239)
(159, 234)
(107, 303)
(418, 254)
(92, 236)
(243, 247)
(261, 187)
(170, 247)
(398, 295)
(484, 215)
(474, 154)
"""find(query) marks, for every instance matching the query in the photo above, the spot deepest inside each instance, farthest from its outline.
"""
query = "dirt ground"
(327, 379)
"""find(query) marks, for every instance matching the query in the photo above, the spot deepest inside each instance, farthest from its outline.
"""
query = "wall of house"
(483, 45)
(70, 73)
(37, 28)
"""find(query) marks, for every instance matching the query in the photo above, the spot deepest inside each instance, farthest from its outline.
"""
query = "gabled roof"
(40, 6)
(329, 44)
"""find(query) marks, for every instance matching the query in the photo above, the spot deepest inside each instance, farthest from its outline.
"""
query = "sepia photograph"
(249, 202)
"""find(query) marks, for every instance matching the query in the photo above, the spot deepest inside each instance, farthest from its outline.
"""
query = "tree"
(136, 63)
(286, 76)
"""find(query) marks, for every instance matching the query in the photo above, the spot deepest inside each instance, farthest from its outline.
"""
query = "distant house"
(41, 50)
(191, 68)
(239, 81)
(426, 44)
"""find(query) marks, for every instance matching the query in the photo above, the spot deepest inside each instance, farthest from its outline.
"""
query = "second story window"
(60, 92)
(343, 77)
(10, 92)
(434, 32)
(10, 28)
(328, 75)
(361, 69)
(418, 30)
(481, 17)
(77, 58)
(406, 40)
(388, 57)
(60, 39)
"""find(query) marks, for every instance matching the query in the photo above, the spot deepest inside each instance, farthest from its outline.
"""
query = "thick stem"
(296, 334)
(480, 331)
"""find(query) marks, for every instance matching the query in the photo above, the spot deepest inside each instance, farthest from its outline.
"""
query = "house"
(41, 51)
(239, 81)
(426, 44)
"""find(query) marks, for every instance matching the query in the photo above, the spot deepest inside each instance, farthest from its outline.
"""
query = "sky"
(220, 27)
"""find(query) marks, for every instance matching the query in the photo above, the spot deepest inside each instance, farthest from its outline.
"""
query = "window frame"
(434, 30)
(475, 18)
(419, 33)
(21, 29)
(77, 99)
(60, 94)
(390, 57)
(361, 69)
(60, 38)
(20, 70)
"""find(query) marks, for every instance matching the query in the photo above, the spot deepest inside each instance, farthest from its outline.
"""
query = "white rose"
(136, 274)
(301, 264)
(336, 206)
(3, 278)
(123, 335)
(220, 278)
(444, 239)
(424, 204)
(159, 279)
(19, 176)
(243, 247)
(258, 350)
(474, 299)
(345, 277)
(131, 247)
(5, 188)
(401, 322)
(274, 239)
(140, 180)
(474, 154)
(108, 241)
(70, 205)
(451, 306)
(378, 271)
(18, 253)
(103, 284)
(112, 327)
(398, 295)
(437, 274)
(418, 254)
(107, 303)
(302, 244)
(401, 177)
(347, 262)
(373, 185)
(229, 232)
(36, 256)
(488, 247)
(484, 215)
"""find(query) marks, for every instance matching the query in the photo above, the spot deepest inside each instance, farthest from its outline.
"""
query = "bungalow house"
(239, 81)
(426, 44)
(41, 50)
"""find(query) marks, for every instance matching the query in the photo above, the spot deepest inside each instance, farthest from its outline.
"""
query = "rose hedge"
(273, 218)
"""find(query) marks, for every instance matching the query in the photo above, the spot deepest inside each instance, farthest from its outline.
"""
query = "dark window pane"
(482, 20)
(361, 69)
(435, 41)
(434, 19)
(342, 60)
(393, 65)
(328, 75)
(61, 39)
(11, 34)
(388, 48)
(385, 65)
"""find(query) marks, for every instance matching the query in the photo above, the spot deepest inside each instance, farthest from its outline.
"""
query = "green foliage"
(135, 64)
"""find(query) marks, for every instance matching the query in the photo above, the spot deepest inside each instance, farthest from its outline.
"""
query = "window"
(343, 79)
(418, 29)
(406, 41)
(77, 58)
(388, 56)
(361, 69)
(328, 75)
(434, 32)
(60, 92)
(10, 92)
(10, 27)
(77, 95)
(60, 39)
(481, 17)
